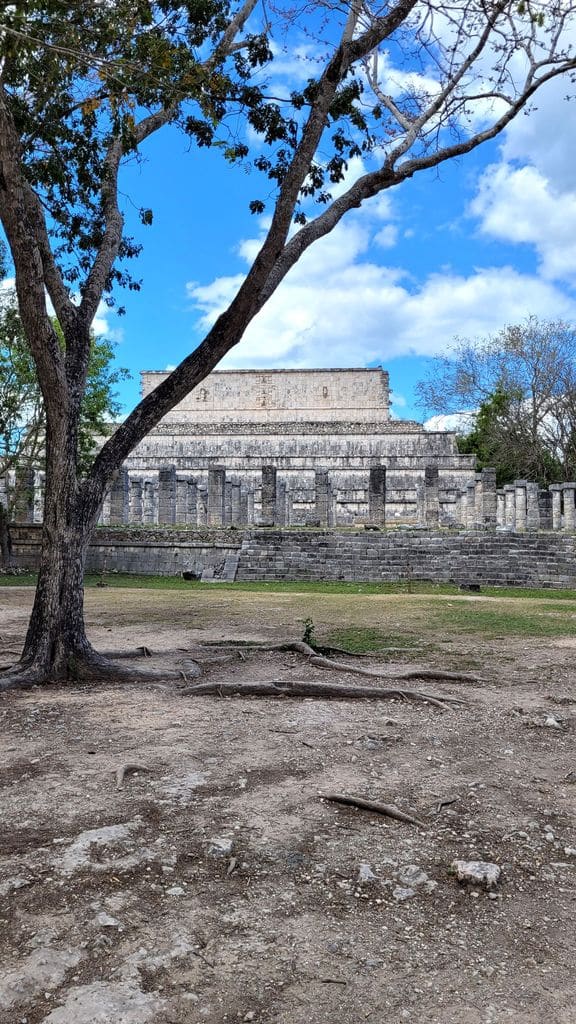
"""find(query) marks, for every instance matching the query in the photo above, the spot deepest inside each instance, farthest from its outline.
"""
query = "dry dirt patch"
(212, 884)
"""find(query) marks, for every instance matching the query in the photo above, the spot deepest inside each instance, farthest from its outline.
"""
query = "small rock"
(411, 875)
(365, 873)
(250, 1015)
(476, 872)
(106, 921)
(175, 890)
(220, 846)
(402, 893)
(550, 722)
(570, 851)
(11, 884)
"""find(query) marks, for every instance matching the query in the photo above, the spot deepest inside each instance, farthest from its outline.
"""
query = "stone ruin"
(304, 448)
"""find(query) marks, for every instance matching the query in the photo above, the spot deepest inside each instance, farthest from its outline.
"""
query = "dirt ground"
(212, 883)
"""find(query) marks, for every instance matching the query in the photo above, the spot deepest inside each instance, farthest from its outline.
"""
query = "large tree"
(522, 382)
(81, 89)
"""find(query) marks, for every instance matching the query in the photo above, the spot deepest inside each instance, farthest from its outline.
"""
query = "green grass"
(416, 587)
(364, 640)
(505, 619)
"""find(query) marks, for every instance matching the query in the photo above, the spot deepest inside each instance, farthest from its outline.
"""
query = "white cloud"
(460, 422)
(520, 205)
(339, 308)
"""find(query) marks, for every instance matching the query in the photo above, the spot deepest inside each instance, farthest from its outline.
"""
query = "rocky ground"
(170, 859)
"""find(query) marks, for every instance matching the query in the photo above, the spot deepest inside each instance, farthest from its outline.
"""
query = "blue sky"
(463, 250)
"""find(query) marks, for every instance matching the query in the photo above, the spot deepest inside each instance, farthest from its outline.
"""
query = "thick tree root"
(92, 668)
(299, 647)
(291, 688)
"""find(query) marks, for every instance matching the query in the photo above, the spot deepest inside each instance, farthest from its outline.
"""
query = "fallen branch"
(389, 810)
(293, 688)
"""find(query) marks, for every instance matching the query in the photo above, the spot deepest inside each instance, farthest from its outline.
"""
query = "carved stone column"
(167, 496)
(216, 495)
(556, 492)
(269, 495)
(377, 495)
(520, 500)
(568, 491)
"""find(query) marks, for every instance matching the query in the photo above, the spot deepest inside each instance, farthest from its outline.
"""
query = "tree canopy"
(402, 86)
(522, 382)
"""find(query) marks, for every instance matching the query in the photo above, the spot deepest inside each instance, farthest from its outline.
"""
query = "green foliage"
(523, 384)
(308, 635)
(22, 420)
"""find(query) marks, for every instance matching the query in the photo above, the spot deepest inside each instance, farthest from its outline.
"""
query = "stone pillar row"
(172, 500)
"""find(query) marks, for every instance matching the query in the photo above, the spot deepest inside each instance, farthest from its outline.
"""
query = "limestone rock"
(477, 872)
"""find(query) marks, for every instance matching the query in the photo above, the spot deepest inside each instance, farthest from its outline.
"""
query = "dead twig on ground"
(389, 810)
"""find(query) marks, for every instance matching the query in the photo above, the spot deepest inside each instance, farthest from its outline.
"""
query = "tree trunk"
(5, 540)
(56, 647)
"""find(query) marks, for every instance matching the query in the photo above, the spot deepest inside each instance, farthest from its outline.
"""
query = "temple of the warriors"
(289, 447)
(251, 448)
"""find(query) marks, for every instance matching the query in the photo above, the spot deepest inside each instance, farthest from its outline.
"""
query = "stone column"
(150, 502)
(216, 495)
(556, 494)
(250, 508)
(462, 506)
(191, 503)
(420, 503)
(288, 514)
(520, 500)
(119, 499)
(568, 490)
(545, 509)
(377, 495)
(500, 510)
(510, 498)
(202, 505)
(471, 505)
(23, 511)
(431, 496)
(39, 486)
(4, 491)
(478, 500)
(488, 515)
(243, 507)
(235, 504)
(104, 518)
(269, 495)
(135, 500)
(281, 503)
(181, 498)
(228, 503)
(167, 496)
(322, 495)
(331, 506)
(532, 507)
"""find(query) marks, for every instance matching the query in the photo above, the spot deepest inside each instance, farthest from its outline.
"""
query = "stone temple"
(289, 447)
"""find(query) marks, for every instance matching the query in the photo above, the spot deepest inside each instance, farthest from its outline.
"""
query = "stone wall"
(483, 557)
(280, 396)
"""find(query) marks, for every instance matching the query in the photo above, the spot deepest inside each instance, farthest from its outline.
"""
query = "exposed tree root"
(300, 647)
(372, 805)
(292, 688)
(92, 668)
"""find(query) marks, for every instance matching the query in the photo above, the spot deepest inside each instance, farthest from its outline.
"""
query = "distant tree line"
(521, 384)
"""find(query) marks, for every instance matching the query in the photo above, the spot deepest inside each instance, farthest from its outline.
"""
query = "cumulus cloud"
(338, 307)
(518, 204)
